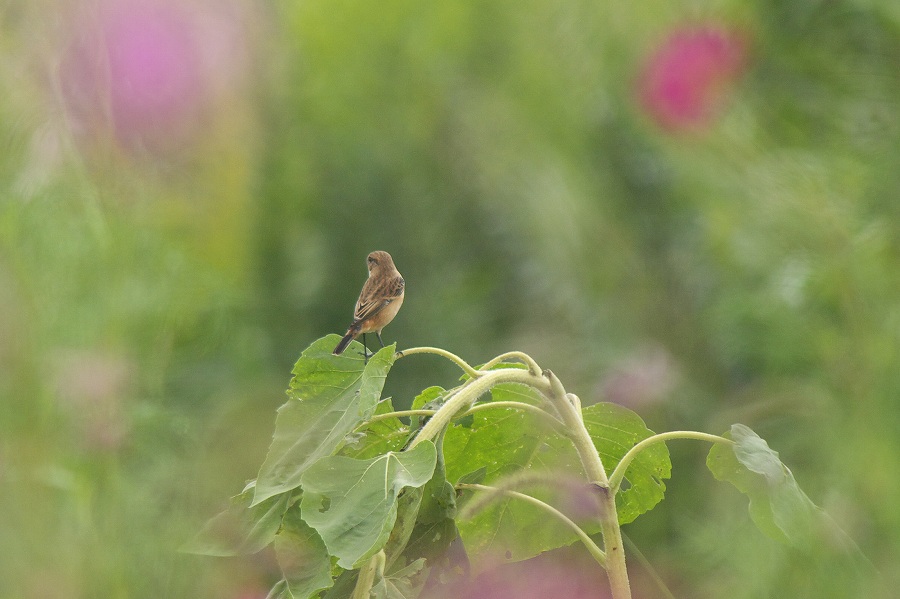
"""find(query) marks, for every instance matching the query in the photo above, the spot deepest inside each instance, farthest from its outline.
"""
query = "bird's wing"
(375, 297)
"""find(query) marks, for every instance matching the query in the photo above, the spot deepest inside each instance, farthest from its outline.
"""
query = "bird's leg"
(379, 338)
(365, 352)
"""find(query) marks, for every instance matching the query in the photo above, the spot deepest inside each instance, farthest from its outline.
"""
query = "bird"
(378, 303)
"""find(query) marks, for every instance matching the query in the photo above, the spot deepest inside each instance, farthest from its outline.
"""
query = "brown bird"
(378, 303)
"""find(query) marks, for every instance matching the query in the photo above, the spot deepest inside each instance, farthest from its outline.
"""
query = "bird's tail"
(352, 332)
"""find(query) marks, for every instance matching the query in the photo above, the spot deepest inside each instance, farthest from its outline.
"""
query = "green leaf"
(778, 506)
(353, 503)
(500, 442)
(378, 437)
(329, 396)
(504, 442)
(302, 557)
(344, 585)
(240, 529)
(614, 431)
(430, 398)
(435, 527)
(407, 511)
(402, 584)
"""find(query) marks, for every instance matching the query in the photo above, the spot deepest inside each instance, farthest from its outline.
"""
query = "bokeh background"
(690, 208)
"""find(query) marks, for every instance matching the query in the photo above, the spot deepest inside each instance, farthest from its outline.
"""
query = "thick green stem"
(366, 578)
(615, 480)
(570, 410)
(467, 395)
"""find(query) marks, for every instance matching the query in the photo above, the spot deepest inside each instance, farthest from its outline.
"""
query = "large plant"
(360, 504)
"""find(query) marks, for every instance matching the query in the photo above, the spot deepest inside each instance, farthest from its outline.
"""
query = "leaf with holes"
(615, 430)
(515, 447)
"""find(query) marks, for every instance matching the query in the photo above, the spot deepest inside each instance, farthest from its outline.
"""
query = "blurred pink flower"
(92, 386)
(643, 379)
(153, 64)
(684, 80)
(146, 70)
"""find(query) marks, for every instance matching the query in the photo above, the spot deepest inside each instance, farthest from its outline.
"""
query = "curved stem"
(591, 546)
(399, 414)
(518, 405)
(615, 480)
(441, 352)
(559, 483)
(569, 408)
(467, 395)
(525, 358)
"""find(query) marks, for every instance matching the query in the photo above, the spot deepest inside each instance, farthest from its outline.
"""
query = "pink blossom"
(684, 81)
(153, 64)
(146, 71)
(92, 386)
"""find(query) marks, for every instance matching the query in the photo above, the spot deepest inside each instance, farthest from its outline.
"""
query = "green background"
(155, 290)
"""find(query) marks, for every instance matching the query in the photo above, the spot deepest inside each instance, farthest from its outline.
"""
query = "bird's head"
(379, 262)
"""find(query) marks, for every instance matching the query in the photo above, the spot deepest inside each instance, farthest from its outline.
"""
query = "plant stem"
(366, 578)
(516, 482)
(525, 358)
(591, 546)
(570, 410)
(615, 480)
(467, 395)
(441, 352)
(398, 414)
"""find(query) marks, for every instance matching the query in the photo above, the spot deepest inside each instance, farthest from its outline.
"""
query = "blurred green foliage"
(156, 284)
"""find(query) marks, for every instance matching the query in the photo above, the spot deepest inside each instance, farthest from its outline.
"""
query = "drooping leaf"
(240, 529)
(778, 506)
(353, 503)
(329, 396)
(302, 557)
(615, 430)
(401, 584)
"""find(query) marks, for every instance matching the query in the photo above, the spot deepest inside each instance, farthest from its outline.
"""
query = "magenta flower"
(146, 71)
(684, 81)
(153, 65)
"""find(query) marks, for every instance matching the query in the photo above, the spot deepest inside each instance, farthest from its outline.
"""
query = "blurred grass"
(156, 287)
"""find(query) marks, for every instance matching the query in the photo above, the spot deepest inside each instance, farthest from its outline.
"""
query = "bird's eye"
(372, 260)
